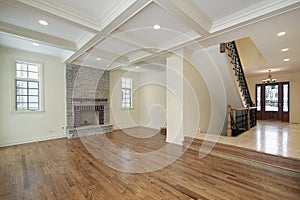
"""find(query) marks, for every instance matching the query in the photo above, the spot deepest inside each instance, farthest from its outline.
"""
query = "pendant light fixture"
(269, 79)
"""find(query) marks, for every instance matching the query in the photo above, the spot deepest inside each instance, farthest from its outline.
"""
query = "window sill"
(28, 111)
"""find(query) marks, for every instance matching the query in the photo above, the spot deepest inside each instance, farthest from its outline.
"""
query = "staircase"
(234, 58)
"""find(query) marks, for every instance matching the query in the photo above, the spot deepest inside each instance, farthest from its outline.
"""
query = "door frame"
(279, 115)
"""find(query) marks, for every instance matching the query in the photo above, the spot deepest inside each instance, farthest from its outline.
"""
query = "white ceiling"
(28, 19)
(90, 9)
(24, 44)
(121, 33)
(140, 26)
(217, 9)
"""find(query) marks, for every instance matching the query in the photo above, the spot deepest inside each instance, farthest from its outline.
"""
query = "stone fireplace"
(87, 101)
(89, 111)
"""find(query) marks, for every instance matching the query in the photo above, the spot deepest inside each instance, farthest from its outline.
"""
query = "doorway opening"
(272, 101)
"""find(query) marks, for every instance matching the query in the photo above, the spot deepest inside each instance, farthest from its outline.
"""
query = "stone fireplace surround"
(87, 90)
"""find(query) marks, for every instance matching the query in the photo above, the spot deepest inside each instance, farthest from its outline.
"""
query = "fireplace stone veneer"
(87, 90)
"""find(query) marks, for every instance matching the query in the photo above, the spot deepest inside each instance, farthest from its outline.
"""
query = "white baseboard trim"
(37, 139)
(118, 128)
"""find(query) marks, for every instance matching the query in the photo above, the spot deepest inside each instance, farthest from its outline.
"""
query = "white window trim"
(131, 105)
(41, 86)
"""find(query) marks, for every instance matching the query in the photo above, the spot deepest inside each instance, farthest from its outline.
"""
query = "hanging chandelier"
(269, 79)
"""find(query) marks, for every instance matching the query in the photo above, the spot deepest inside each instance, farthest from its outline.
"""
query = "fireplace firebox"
(93, 110)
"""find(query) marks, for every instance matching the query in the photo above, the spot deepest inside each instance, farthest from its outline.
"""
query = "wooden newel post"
(222, 47)
(248, 107)
(229, 130)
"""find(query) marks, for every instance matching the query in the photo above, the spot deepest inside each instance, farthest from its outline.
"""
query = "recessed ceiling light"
(137, 67)
(286, 59)
(281, 33)
(35, 44)
(43, 22)
(285, 49)
(156, 26)
(98, 58)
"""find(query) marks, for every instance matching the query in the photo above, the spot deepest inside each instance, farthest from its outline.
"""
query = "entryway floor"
(272, 137)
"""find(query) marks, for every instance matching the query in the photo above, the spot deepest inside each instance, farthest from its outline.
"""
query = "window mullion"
(27, 95)
(127, 92)
(30, 84)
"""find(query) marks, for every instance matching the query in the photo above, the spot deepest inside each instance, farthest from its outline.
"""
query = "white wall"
(153, 99)
(149, 100)
(202, 88)
(16, 128)
(293, 78)
(174, 72)
(123, 118)
(213, 66)
(197, 104)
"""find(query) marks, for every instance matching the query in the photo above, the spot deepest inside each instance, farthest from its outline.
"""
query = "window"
(258, 103)
(27, 82)
(126, 92)
(285, 97)
(271, 98)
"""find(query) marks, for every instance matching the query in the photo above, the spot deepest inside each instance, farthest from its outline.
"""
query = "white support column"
(174, 104)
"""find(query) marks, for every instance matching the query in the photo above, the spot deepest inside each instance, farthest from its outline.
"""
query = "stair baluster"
(238, 71)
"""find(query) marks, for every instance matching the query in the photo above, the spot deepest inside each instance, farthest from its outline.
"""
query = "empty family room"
(149, 99)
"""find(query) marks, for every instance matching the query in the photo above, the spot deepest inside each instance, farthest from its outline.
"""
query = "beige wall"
(294, 79)
(16, 128)
(123, 118)
(149, 100)
(153, 99)
(197, 105)
(214, 69)
(174, 98)
(253, 57)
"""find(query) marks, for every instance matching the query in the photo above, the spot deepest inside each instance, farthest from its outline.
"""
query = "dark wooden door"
(272, 101)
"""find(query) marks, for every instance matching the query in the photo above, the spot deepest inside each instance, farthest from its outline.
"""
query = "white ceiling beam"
(178, 41)
(117, 10)
(52, 10)
(140, 46)
(162, 50)
(113, 25)
(125, 16)
(189, 14)
(254, 13)
(37, 36)
(87, 64)
(107, 55)
(92, 42)
(124, 37)
(274, 7)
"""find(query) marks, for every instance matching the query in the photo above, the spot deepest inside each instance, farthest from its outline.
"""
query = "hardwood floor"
(65, 169)
(271, 137)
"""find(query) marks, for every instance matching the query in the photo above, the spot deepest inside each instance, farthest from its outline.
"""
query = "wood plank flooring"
(271, 137)
(65, 169)
(291, 164)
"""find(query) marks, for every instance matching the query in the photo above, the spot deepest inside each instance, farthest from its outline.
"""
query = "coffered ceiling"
(111, 34)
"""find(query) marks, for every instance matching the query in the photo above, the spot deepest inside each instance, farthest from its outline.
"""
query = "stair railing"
(238, 70)
(240, 119)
